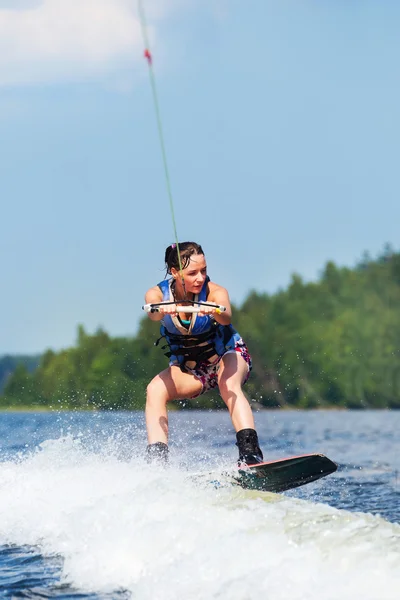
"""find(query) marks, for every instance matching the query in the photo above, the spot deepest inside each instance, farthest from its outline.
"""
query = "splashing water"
(119, 525)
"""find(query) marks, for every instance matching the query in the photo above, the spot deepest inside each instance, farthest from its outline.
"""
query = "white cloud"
(66, 40)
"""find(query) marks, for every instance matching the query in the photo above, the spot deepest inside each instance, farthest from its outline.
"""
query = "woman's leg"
(231, 375)
(171, 384)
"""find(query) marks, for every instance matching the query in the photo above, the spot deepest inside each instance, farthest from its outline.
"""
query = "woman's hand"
(209, 311)
(168, 309)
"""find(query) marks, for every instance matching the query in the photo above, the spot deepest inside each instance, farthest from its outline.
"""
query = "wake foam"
(119, 524)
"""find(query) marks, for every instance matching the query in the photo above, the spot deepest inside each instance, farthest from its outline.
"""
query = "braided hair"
(186, 250)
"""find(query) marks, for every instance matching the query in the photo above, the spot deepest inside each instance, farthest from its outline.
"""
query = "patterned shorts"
(207, 372)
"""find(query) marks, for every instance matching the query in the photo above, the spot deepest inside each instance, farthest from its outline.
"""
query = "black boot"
(249, 450)
(157, 454)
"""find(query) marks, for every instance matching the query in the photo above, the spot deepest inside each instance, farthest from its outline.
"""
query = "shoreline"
(33, 409)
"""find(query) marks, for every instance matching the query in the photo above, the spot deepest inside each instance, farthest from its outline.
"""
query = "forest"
(9, 363)
(334, 342)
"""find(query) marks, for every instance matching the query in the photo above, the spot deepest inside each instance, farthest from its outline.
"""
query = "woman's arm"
(219, 295)
(154, 294)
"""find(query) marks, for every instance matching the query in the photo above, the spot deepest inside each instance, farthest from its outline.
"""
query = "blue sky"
(282, 128)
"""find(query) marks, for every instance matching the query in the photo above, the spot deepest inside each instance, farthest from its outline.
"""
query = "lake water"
(82, 516)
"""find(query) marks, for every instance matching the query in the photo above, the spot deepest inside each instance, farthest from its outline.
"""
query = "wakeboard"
(284, 474)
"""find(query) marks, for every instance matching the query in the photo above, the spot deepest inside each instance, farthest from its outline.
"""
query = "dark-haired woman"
(205, 352)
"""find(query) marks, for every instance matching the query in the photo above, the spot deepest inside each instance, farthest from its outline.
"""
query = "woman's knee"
(156, 392)
(228, 387)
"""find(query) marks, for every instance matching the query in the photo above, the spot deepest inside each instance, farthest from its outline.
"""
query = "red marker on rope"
(148, 56)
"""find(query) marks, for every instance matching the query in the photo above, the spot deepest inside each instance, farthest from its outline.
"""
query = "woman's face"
(194, 274)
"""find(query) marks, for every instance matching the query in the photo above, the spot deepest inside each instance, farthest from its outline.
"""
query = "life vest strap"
(192, 347)
(194, 353)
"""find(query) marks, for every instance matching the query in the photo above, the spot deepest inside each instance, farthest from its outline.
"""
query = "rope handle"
(154, 307)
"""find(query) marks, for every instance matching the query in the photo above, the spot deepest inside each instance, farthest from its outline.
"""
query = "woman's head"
(186, 250)
(194, 267)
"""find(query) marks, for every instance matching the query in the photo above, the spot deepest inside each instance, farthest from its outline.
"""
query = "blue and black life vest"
(204, 337)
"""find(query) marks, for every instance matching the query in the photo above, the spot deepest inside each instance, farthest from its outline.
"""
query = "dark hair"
(186, 250)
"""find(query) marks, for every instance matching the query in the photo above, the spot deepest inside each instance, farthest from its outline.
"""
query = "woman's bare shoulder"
(154, 294)
(216, 292)
(214, 287)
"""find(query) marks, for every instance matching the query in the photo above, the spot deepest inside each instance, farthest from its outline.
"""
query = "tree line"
(333, 342)
(9, 363)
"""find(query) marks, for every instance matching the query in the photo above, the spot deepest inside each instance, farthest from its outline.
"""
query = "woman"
(205, 352)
